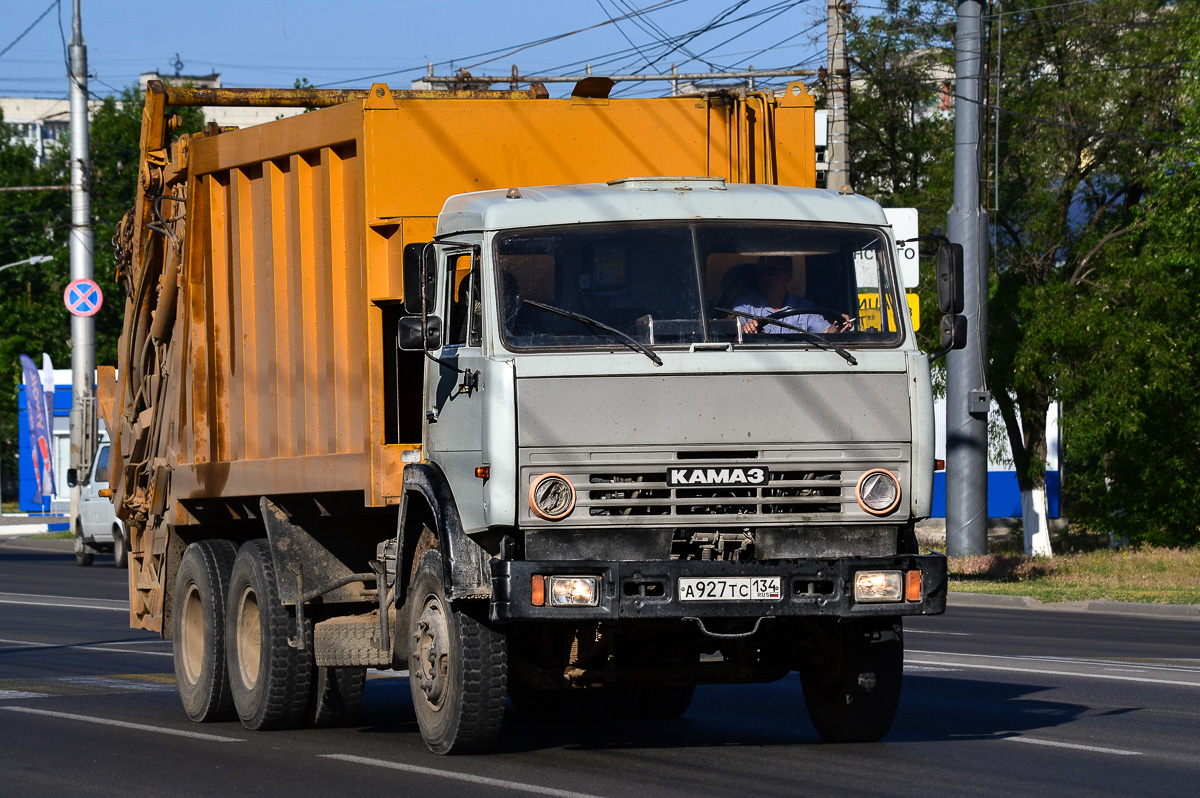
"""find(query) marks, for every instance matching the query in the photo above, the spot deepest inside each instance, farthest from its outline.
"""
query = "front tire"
(198, 630)
(120, 547)
(270, 678)
(83, 553)
(851, 680)
(458, 668)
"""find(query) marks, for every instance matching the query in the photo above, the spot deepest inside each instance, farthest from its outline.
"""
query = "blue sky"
(271, 43)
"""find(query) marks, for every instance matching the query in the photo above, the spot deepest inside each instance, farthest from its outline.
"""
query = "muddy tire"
(852, 679)
(458, 668)
(337, 694)
(198, 630)
(83, 553)
(270, 678)
(120, 547)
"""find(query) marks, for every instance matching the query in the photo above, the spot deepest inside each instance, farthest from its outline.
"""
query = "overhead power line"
(32, 25)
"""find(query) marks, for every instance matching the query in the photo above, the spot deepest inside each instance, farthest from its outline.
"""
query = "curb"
(18, 530)
(1091, 605)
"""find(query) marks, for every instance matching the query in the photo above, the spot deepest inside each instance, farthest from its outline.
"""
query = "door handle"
(470, 382)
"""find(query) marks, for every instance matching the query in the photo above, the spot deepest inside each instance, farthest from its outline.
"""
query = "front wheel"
(458, 668)
(84, 555)
(851, 679)
(120, 547)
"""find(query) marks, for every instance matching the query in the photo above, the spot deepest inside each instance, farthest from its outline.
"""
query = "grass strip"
(1147, 575)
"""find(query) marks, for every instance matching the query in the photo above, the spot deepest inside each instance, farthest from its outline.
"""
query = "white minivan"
(97, 527)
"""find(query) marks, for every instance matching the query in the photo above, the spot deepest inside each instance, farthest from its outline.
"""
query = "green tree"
(899, 133)
(1089, 93)
(1133, 422)
(33, 318)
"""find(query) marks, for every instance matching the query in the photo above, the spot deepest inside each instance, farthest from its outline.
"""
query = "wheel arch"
(426, 498)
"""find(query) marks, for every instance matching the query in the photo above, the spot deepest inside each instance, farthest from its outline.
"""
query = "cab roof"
(655, 198)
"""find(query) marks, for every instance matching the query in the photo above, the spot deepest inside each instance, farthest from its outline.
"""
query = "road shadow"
(947, 709)
(932, 709)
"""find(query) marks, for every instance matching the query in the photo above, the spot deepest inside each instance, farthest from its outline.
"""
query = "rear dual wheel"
(270, 678)
(198, 629)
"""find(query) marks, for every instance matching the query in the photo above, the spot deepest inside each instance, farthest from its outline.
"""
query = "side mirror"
(410, 336)
(950, 296)
(953, 333)
(418, 261)
(72, 478)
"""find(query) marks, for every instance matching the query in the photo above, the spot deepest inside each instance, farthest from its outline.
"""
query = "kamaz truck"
(498, 390)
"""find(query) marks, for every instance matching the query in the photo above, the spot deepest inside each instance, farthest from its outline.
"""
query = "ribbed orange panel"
(296, 230)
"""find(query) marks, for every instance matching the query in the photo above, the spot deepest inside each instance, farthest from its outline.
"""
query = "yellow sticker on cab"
(869, 317)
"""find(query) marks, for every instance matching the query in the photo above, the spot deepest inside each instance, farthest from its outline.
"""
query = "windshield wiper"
(626, 338)
(820, 340)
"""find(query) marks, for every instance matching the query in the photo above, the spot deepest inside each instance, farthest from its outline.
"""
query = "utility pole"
(83, 329)
(967, 399)
(837, 152)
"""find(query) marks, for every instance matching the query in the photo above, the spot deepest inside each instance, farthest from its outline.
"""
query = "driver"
(774, 273)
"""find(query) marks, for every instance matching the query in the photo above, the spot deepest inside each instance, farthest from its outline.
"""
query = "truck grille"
(789, 492)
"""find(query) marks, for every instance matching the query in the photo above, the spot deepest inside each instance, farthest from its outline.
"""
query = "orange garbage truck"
(554, 401)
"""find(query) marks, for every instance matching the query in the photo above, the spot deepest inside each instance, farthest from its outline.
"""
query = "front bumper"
(647, 590)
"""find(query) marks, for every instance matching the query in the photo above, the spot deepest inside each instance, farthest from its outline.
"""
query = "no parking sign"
(83, 297)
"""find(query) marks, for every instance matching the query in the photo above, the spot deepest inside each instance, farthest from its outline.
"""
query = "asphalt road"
(997, 702)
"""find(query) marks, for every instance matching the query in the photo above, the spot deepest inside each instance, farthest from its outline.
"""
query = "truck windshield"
(668, 284)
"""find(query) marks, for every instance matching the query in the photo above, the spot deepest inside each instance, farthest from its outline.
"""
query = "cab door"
(454, 385)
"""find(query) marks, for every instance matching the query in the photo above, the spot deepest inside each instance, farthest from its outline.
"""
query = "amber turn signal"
(912, 586)
(538, 591)
(939, 465)
(483, 472)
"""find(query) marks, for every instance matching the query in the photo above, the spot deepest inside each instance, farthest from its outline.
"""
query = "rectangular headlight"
(574, 591)
(875, 586)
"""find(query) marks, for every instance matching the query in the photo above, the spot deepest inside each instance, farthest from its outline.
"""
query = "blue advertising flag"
(39, 429)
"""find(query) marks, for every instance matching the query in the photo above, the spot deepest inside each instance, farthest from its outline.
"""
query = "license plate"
(751, 476)
(729, 588)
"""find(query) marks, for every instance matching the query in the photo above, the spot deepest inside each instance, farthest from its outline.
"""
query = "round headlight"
(552, 496)
(878, 491)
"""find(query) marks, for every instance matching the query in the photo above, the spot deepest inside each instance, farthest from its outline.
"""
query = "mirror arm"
(425, 319)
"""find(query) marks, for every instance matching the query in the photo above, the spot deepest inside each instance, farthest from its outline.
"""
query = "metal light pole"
(83, 330)
(967, 400)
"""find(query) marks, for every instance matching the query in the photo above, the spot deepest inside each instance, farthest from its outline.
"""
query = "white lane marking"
(66, 602)
(936, 632)
(1045, 672)
(14, 694)
(1154, 666)
(1073, 746)
(448, 774)
(123, 724)
(93, 647)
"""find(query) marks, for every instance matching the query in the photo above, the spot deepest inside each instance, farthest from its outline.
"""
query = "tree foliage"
(899, 132)
(33, 318)
(1094, 266)
(1089, 93)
